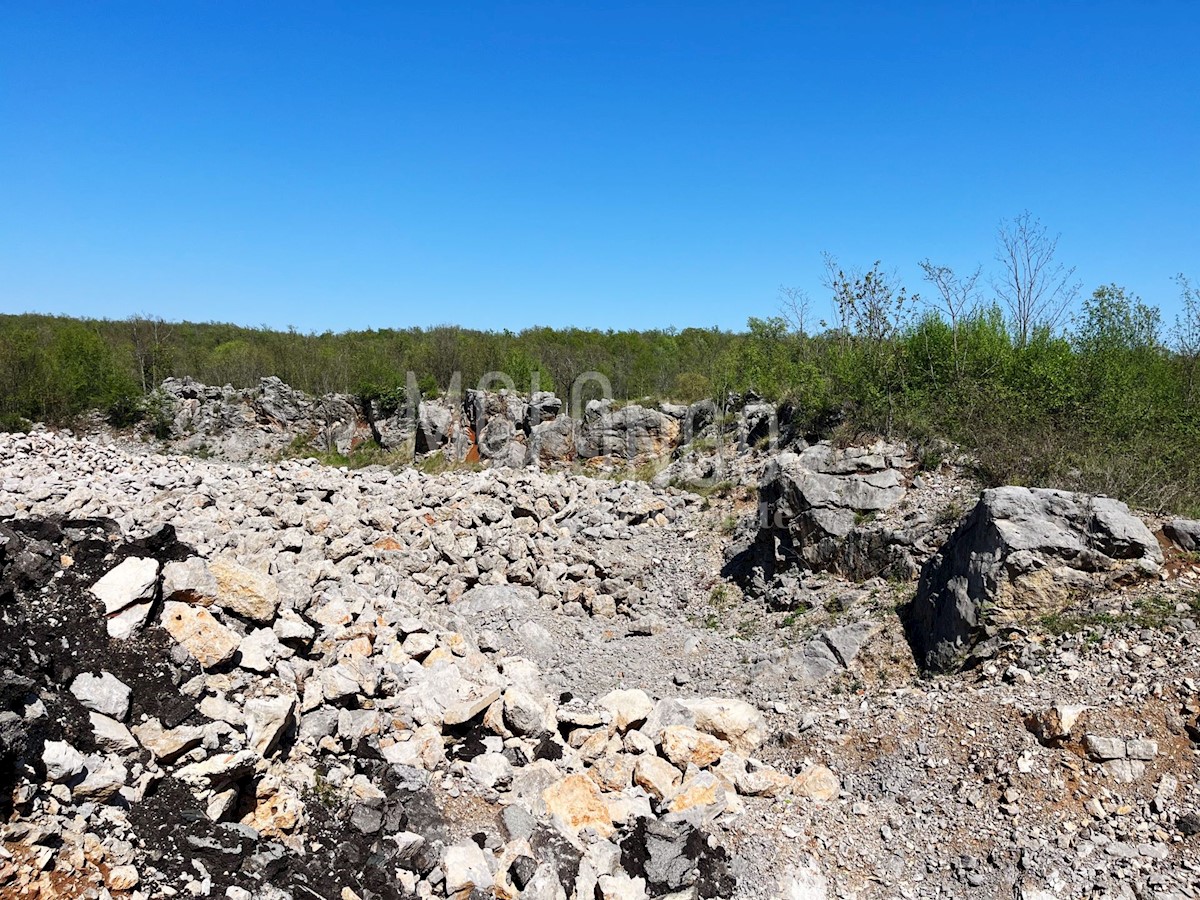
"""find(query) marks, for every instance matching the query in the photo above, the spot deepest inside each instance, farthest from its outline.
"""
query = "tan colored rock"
(122, 878)
(701, 790)
(763, 781)
(733, 721)
(277, 809)
(686, 746)
(437, 655)
(613, 772)
(628, 708)
(596, 745)
(656, 775)
(165, 744)
(244, 592)
(816, 783)
(208, 641)
(577, 802)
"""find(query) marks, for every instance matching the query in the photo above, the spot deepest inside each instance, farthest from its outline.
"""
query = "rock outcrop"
(857, 512)
(1022, 553)
(496, 428)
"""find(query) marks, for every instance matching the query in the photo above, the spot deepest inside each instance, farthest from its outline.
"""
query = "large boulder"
(1020, 554)
(628, 432)
(553, 441)
(818, 509)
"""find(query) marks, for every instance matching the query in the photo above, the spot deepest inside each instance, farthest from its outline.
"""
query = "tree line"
(1101, 395)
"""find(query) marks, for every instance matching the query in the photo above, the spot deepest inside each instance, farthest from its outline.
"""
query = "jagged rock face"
(500, 428)
(628, 432)
(1021, 554)
(816, 509)
(250, 424)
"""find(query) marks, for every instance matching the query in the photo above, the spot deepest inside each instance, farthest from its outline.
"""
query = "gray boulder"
(817, 510)
(1185, 533)
(627, 432)
(1021, 554)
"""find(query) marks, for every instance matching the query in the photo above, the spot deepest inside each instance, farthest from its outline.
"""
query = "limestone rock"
(111, 735)
(656, 775)
(628, 708)
(1019, 555)
(817, 783)
(244, 592)
(127, 592)
(103, 693)
(267, 718)
(577, 802)
(686, 746)
(167, 744)
(734, 721)
(466, 870)
(62, 761)
(208, 641)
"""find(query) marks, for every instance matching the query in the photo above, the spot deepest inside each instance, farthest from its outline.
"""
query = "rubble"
(514, 683)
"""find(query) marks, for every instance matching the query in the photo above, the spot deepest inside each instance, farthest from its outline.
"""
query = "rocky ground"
(288, 680)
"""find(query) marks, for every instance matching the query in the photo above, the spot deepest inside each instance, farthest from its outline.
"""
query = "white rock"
(628, 708)
(62, 761)
(266, 720)
(466, 869)
(131, 580)
(103, 693)
(111, 735)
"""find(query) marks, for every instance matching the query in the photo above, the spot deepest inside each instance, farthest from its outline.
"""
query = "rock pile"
(288, 681)
(384, 711)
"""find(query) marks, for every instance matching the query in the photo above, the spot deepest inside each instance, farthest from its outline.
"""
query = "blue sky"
(335, 166)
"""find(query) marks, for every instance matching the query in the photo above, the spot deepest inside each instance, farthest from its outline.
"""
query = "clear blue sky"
(609, 164)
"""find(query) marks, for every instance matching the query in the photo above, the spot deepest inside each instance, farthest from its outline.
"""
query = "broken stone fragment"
(219, 770)
(526, 715)
(627, 708)
(816, 783)
(103, 693)
(577, 803)
(733, 721)
(656, 776)
(127, 592)
(165, 744)
(111, 735)
(703, 792)
(208, 641)
(189, 581)
(466, 870)
(1055, 724)
(122, 878)
(62, 761)
(244, 592)
(105, 775)
(686, 746)
(1100, 748)
(130, 581)
(466, 710)
(267, 718)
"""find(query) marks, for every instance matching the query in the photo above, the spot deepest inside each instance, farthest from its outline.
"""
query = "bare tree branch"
(1036, 289)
